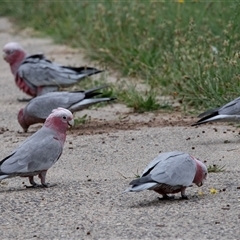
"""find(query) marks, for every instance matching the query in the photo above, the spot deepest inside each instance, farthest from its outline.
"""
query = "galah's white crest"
(170, 172)
(40, 151)
(35, 75)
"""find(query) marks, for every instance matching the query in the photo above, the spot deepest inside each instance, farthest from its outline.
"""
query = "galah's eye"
(9, 51)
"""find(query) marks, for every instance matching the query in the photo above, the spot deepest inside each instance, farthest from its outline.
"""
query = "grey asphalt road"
(94, 170)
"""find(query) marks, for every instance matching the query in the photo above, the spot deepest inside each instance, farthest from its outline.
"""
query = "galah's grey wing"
(226, 113)
(39, 71)
(37, 153)
(176, 170)
(45, 73)
(209, 112)
(42, 106)
(231, 108)
(169, 168)
(85, 103)
(161, 157)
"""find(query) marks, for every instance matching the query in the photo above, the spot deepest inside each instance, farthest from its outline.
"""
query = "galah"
(170, 172)
(40, 107)
(36, 75)
(40, 151)
(229, 112)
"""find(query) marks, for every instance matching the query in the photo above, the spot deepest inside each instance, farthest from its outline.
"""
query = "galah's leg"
(42, 176)
(32, 182)
(184, 196)
(166, 197)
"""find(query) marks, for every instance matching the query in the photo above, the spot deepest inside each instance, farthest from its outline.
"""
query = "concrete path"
(95, 168)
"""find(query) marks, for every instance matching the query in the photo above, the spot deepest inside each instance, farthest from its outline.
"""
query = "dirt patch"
(132, 122)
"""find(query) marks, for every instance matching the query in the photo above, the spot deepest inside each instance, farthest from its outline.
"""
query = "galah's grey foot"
(24, 99)
(45, 185)
(184, 197)
(166, 197)
(48, 185)
(34, 186)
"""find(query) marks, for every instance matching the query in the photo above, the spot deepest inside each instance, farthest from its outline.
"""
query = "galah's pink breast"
(163, 188)
(24, 87)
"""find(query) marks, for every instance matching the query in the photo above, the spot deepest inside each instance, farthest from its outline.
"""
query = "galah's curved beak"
(71, 122)
(4, 55)
(200, 184)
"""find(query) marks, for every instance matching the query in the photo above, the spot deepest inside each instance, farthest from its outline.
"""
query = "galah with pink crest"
(40, 151)
(35, 75)
(170, 172)
(40, 107)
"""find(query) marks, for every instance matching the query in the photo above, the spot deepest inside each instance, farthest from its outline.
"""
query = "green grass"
(216, 168)
(82, 120)
(141, 101)
(168, 45)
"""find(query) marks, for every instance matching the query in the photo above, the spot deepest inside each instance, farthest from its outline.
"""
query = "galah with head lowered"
(170, 172)
(35, 75)
(40, 151)
(40, 107)
(229, 112)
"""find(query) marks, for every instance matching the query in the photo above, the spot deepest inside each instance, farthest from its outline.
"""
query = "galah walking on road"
(229, 112)
(40, 151)
(35, 75)
(40, 107)
(170, 172)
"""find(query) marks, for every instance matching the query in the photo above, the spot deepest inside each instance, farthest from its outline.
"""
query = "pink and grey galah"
(35, 75)
(170, 172)
(40, 151)
(40, 107)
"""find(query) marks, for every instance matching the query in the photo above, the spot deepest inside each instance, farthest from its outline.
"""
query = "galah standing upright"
(40, 107)
(229, 112)
(170, 172)
(40, 151)
(35, 75)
